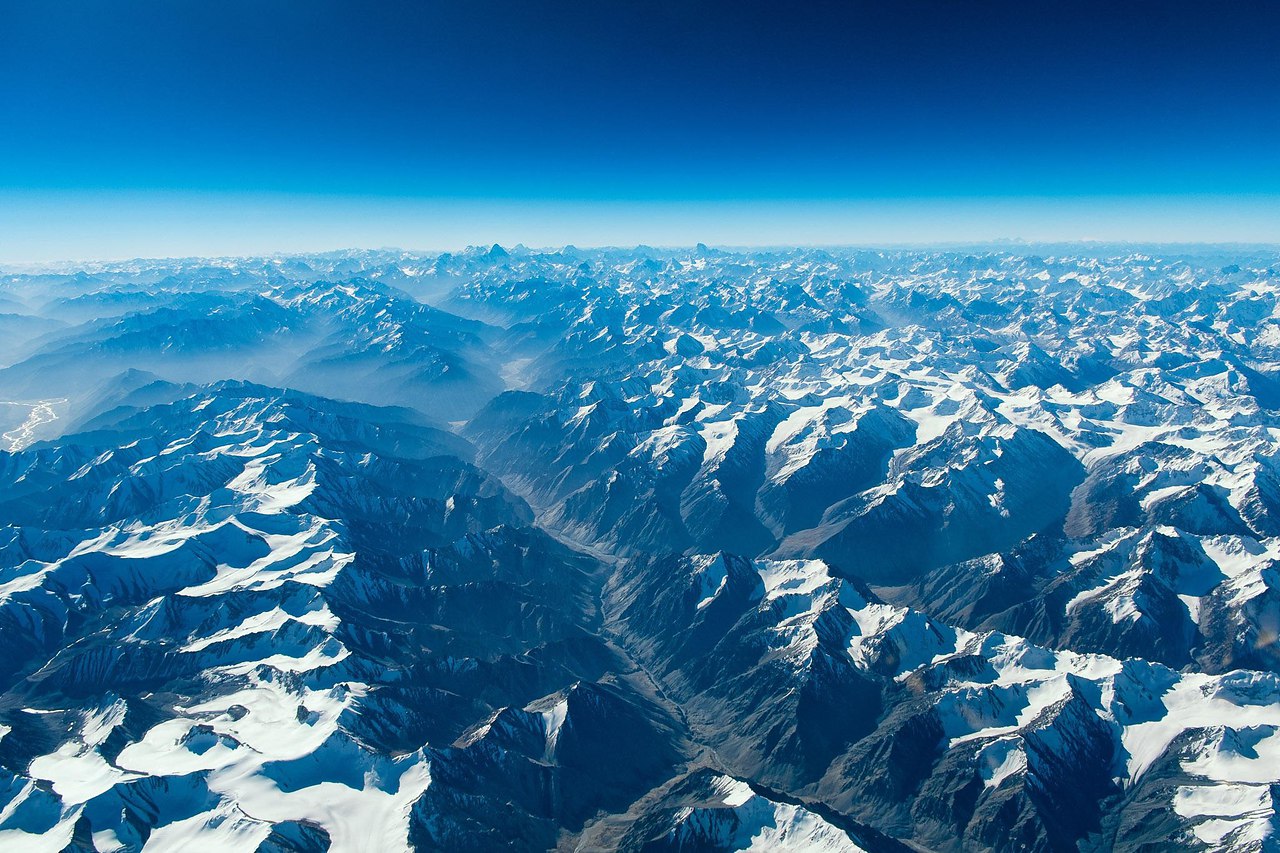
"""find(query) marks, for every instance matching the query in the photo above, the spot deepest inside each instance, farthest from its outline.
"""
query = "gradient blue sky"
(169, 127)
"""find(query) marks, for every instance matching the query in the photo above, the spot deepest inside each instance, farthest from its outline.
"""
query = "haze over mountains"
(643, 549)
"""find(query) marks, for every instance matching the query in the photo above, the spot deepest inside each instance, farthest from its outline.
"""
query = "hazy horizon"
(87, 227)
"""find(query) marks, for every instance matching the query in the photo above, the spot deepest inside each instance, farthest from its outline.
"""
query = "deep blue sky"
(638, 102)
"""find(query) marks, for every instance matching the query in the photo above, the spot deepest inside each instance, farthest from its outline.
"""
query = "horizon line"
(995, 245)
(60, 228)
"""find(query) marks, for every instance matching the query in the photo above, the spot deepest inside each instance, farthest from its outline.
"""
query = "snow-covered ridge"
(209, 596)
(1014, 718)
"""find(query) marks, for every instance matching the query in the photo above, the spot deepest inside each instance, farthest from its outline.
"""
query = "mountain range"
(643, 549)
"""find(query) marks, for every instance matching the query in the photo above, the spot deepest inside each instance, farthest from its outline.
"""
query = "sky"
(165, 127)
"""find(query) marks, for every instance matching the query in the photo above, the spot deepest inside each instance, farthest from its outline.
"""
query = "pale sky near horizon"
(70, 226)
